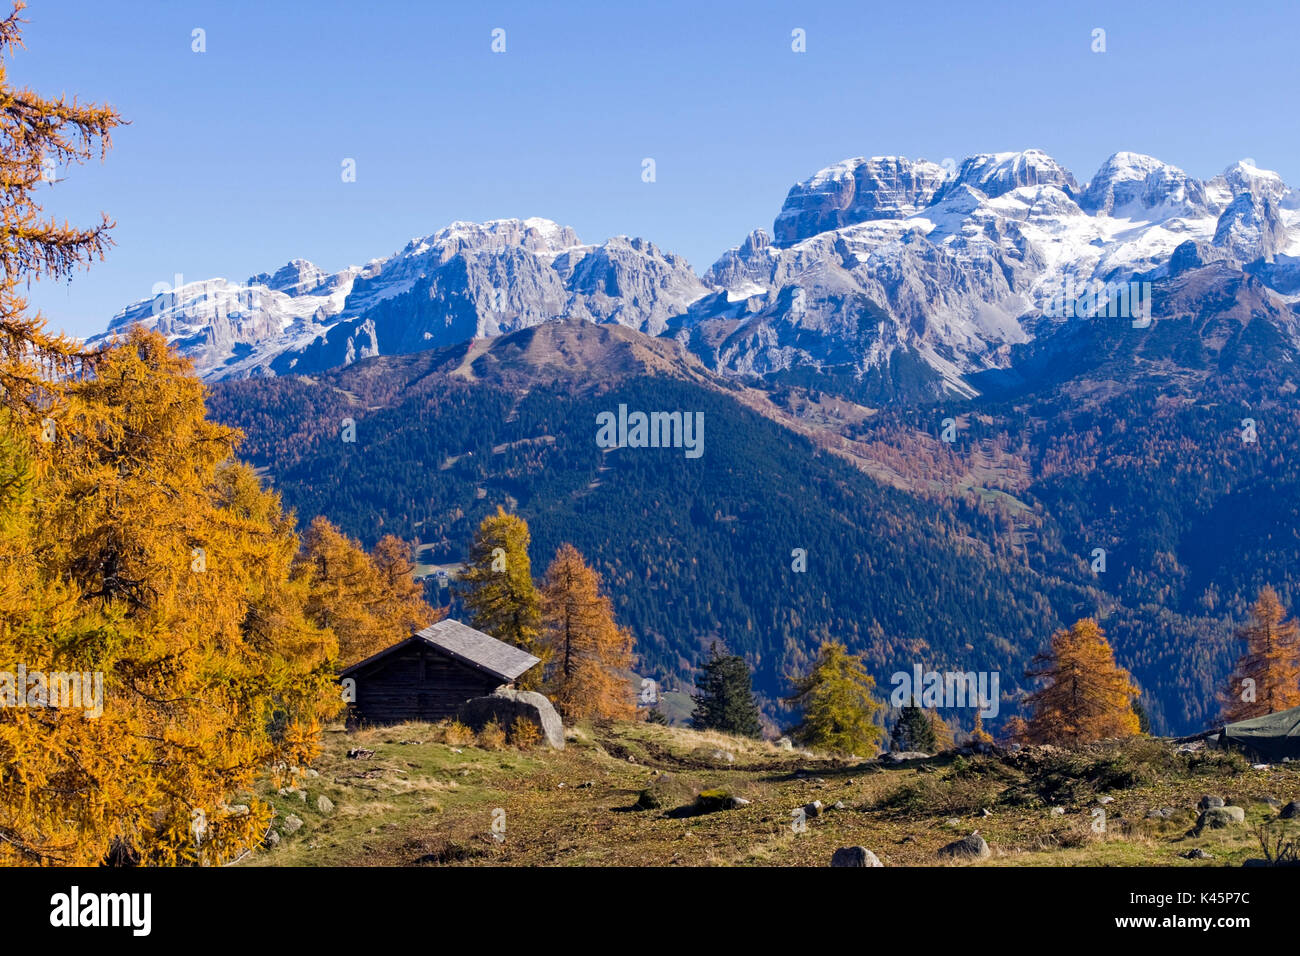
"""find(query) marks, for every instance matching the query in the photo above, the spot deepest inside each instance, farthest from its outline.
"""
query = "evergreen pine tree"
(1144, 719)
(725, 698)
(913, 730)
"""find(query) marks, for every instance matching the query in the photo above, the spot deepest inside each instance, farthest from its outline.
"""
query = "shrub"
(959, 794)
(1217, 762)
(525, 734)
(1280, 843)
(457, 734)
(491, 736)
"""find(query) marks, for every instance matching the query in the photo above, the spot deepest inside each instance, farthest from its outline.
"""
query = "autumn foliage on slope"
(135, 548)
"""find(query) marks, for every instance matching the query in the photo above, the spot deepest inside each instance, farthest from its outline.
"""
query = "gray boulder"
(291, 823)
(1209, 803)
(972, 847)
(854, 856)
(1219, 818)
(1291, 811)
(505, 705)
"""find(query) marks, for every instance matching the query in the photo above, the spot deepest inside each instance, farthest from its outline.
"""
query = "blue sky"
(232, 163)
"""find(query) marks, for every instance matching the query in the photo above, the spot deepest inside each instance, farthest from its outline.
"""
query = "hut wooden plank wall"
(430, 674)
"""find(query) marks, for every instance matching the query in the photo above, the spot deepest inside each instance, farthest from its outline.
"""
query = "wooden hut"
(431, 673)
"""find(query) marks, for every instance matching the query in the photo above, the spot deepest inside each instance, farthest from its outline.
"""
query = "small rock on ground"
(972, 847)
(854, 856)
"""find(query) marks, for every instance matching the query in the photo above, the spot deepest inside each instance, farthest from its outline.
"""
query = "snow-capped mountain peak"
(995, 174)
(878, 270)
(465, 280)
(880, 262)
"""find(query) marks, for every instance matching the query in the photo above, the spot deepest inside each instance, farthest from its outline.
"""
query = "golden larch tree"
(1087, 696)
(498, 591)
(1267, 676)
(157, 563)
(589, 653)
(369, 602)
(401, 600)
(38, 137)
(945, 738)
(837, 703)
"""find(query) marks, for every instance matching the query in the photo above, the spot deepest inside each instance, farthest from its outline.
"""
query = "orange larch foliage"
(141, 553)
(1267, 676)
(1087, 696)
(587, 648)
(369, 602)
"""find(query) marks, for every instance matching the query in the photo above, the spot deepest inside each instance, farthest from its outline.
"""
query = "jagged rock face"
(468, 280)
(994, 174)
(856, 190)
(628, 281)
(215, 321)
(1251, 227)
(299, 277)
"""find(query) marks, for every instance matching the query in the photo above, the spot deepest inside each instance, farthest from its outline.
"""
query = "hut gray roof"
(463, 643)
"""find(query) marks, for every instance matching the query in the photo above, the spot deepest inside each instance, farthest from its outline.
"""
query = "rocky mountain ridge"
(899, 277)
